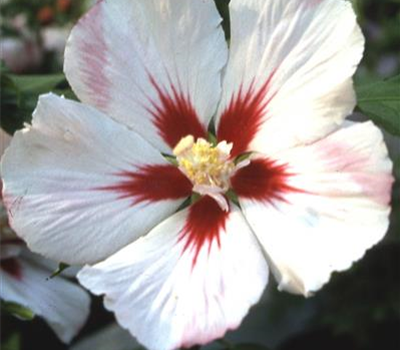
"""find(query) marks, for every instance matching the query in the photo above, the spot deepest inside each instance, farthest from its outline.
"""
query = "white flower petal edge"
(56, 174)
(300, 55)
(63, 304)
(340, 210)
(118, 45)
(165, 299)
(50, 265)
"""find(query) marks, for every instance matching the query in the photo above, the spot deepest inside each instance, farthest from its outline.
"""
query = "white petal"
(10, 250)
(170, 294)
(50, 265)
(299, 56)
(337, 209)
(65, 183)
(118, 45)
(63, 305)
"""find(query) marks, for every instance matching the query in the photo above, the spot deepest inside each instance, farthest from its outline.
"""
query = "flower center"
(208, 167)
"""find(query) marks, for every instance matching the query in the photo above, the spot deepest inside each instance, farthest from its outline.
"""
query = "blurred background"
(358, 310)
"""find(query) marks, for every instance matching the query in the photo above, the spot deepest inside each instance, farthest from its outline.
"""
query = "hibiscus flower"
(286, 184)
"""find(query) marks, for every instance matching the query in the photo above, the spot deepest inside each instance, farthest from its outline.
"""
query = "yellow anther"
(204, 164)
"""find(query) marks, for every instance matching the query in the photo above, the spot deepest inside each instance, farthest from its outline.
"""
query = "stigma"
(207, 166)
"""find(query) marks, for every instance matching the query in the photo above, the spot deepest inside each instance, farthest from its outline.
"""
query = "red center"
(175, 117)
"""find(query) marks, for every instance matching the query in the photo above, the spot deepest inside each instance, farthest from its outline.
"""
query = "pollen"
(207, 166)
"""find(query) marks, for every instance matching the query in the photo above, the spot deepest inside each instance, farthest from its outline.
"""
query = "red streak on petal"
(12, 267)
(152, 183)
(93, 56)
(262, 180)
(244, 116)
(174, 116)
(205, 222)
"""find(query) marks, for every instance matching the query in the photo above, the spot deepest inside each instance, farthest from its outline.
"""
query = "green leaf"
(3, 67)
(9, 90)
(60, 269)
(16, 108)
(13, 342)
(38, 84)
(20, 94)
(380, 101)
(17, 310)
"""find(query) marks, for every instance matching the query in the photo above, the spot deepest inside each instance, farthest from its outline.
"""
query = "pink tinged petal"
(55, 174)
(63, 305)
(150, 63)
(165, 299)
(308, 51)
(341, 211)
(93, 49)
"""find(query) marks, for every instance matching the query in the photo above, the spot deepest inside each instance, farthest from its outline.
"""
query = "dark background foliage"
(358, 310)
